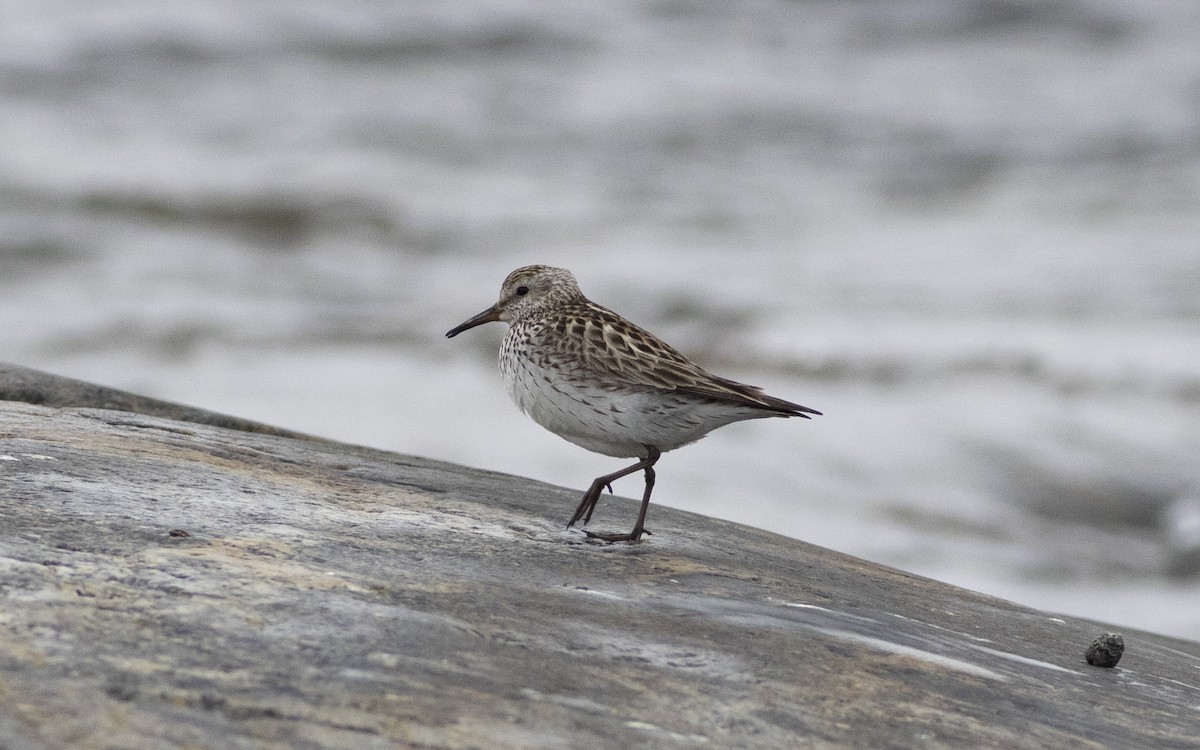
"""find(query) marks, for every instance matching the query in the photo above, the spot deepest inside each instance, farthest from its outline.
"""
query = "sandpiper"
(590, 376)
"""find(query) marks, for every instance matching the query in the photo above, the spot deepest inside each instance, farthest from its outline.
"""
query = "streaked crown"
(532, 290)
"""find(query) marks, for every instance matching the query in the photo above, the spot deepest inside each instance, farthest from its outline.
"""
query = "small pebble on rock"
(1106, 650)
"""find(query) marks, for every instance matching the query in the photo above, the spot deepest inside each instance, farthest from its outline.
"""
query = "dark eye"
(522, 291)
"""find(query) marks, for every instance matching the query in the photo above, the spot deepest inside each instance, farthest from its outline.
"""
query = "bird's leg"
(640, 527)
(592, 496)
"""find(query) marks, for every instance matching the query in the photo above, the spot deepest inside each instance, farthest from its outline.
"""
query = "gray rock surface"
(36, 387)
(169, 583)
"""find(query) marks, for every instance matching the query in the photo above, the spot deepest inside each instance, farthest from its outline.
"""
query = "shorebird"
(593, 378)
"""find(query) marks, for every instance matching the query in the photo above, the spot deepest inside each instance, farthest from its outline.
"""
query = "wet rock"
(332, 596)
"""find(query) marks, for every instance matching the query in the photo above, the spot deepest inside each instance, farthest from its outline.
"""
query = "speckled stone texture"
(169, 583)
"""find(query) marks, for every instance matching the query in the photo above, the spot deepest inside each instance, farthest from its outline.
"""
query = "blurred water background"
(966, 230)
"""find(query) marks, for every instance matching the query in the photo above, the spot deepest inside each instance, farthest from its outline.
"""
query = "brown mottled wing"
(616, 349)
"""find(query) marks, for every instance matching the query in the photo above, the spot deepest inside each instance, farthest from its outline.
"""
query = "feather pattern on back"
(624, 355)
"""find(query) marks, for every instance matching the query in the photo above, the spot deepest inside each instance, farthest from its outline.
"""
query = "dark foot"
(586, 506)
(633, 536)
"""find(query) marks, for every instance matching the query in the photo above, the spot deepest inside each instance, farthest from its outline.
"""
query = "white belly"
(611, 421)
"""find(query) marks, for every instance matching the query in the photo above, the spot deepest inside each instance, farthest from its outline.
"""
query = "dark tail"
(786, 408)
(753, 396)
